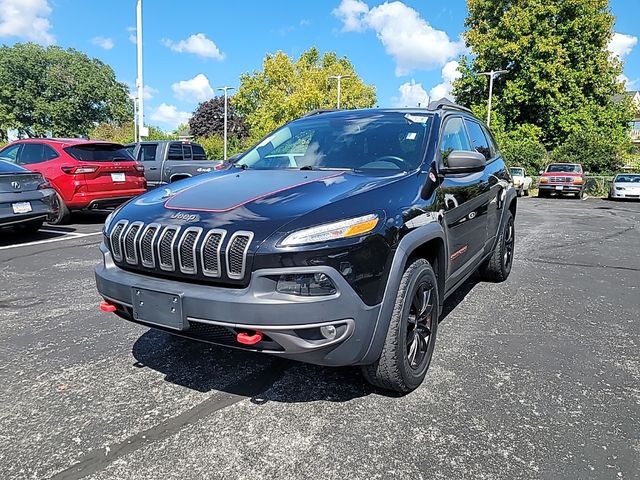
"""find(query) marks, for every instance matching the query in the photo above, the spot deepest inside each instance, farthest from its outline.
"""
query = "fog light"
(307, 284)
(328, 332)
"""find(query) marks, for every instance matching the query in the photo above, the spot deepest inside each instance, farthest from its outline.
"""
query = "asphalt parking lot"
(537, 377)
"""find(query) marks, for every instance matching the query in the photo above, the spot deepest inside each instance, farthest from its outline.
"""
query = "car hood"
(261, 201)
(561, 174)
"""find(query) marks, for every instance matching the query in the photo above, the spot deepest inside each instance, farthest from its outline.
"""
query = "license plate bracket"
(118, 177)
(158, 308)
(21, 207)
(559, 187)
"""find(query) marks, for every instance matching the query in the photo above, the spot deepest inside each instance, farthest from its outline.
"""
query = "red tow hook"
(246, 339)
(107, 307)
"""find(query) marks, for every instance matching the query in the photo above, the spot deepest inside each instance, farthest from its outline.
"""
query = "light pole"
(225, 90)
(135, 119)
(142, 131)
(339, 79)
(492, 74)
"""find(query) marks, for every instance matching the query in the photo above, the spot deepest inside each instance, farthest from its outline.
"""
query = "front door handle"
(153, 168)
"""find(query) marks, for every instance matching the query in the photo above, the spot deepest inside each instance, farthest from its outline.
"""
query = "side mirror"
(541, 172)
(462, 161)
(586, 174)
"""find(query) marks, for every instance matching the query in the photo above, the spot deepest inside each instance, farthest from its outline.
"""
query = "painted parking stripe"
(68, 236)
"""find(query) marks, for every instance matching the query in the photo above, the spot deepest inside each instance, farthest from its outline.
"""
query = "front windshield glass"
(385, 140)
(517, 171)
(627, 179)
(564, 168)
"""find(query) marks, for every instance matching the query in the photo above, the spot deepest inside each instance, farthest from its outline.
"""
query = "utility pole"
(492, 74)
(135, 119)
(142, 131)
(225, 90)
(339, 79)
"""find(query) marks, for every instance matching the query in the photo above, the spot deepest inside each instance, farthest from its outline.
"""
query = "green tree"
(561, 79)
(124, 133)
(208, 120)
(286, 89)
(56, 91)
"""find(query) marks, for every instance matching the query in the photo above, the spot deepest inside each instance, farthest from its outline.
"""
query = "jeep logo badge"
(185, 217)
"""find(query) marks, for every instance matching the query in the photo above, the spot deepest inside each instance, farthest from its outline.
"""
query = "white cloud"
(450, 74)
(103, 42)
(147, 92)
(411, 94)
(198, 89)
(170, 115)
(621, 44)
(352, 13)
(197, 44)
(26, 19)
(405, 35)
(132, 35)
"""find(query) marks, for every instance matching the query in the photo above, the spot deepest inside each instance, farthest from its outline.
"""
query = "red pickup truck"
(562, 179)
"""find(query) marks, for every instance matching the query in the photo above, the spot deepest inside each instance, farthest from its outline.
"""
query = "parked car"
(521, 181)
(26, 199)
(562, 179)
(625, 185)
(344, 259)
(168, 161)
(85, 174)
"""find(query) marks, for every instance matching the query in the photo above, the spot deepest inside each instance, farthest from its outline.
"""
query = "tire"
(29, 228)
(542, 194)
(526, 193)
(411, 337)
(519, 192)
(63, 214)
(498, 267)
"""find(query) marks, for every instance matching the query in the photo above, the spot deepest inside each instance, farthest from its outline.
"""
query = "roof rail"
(445, 104)
(318, 111)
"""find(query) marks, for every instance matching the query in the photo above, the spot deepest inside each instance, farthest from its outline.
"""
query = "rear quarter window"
(175, 152)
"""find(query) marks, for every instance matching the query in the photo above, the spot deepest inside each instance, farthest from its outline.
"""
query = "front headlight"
(107, 222)
(351, 227)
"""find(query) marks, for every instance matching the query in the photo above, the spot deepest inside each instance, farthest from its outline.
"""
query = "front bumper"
(290, 324)
(564, 188)
(627, 194)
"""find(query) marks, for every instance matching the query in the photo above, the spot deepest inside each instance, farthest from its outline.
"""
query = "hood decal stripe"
(257, 193)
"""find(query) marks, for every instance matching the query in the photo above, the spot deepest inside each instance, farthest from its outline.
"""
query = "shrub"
(522, 147)
(597, 152)
(214, 146)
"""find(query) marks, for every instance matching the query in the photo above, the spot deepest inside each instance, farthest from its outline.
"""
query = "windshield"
(385, 140)
(565, 168)
(517, 171)
(100, 152)
(627, 179)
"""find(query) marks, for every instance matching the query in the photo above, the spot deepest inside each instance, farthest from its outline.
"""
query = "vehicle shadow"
(203, 367)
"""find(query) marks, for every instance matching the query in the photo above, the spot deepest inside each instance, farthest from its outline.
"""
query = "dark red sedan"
(85, 174)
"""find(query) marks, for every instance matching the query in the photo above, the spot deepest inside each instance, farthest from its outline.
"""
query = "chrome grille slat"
(237, 254)
(130, 242)
(210, 252)
(166, 243)
(187, 250)
(180, 250)
(147, 244)
(115, 237)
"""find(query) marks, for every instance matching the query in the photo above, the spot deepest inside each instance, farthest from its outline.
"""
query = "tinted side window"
(175, 152)
(147, 152)
(478, 139)
(31, 153)
(11, 153)
(198, 152)
(454, 137)
(492, 142)
(49, 153)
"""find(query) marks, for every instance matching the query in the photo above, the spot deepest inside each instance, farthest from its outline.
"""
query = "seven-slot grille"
(561, 179)
(172, 248)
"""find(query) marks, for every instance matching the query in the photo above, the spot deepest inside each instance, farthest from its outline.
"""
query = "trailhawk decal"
(459, 252)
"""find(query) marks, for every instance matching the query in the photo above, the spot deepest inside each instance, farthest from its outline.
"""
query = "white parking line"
(66, 236)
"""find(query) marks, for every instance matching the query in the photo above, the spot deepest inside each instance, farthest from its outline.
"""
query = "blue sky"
(406, 49)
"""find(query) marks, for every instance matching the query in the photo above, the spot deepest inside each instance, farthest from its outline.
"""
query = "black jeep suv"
(333, 241)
